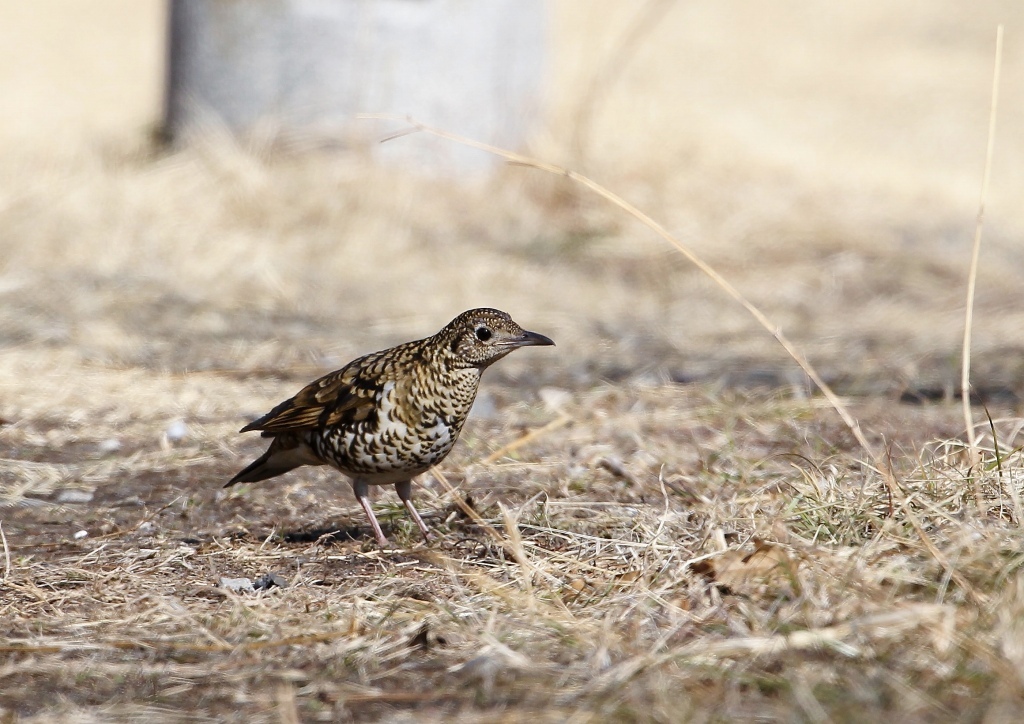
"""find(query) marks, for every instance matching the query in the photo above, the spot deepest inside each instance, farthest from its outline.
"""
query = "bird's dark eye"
(483, 334)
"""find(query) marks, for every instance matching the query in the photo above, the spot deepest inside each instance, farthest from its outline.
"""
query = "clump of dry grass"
(664, 552)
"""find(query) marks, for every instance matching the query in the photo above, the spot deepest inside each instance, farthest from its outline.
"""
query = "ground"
(636, 552)
(660, 519)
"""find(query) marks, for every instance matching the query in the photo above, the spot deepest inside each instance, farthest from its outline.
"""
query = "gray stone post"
(306, 68)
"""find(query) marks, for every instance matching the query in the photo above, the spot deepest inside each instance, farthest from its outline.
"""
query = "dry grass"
(626, 589)
(666, 525)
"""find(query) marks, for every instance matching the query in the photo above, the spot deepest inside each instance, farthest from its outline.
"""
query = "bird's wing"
(348, 395)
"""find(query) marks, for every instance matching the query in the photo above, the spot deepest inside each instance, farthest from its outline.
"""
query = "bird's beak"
(532, 339)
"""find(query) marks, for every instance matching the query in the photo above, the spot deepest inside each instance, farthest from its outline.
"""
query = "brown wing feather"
(347, 395)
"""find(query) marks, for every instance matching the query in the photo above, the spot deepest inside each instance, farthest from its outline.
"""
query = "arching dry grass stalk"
(762, 319)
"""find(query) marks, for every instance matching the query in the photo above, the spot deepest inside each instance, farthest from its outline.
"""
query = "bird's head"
(480, 337)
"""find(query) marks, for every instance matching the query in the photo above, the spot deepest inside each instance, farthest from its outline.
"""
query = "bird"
(388, 416)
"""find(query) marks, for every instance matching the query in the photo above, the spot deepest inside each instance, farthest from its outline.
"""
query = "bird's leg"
(404, 490)
(362, 491)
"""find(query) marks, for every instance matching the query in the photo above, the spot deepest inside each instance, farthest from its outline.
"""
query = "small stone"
(176, 431)
(74, 496)
(108, 446)
(269, 580)
(237, 584)
(81, 534)
(555, 398)
(146, 527)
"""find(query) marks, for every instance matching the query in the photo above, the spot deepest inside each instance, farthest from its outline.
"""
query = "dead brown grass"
(674, 553)
(667, 525)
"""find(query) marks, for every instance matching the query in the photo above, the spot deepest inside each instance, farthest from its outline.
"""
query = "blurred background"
(826, 158)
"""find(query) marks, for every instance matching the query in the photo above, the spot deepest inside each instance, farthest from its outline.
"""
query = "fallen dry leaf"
(769, 568)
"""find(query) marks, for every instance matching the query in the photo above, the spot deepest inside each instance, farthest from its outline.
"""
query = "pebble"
(74, 496)
(555, 399)
(269, 580)
(237, 584)
(176, 431)
(81, 534)
(110, 445)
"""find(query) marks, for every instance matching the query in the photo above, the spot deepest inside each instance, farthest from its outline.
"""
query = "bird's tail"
(259, 469)
(285, 453)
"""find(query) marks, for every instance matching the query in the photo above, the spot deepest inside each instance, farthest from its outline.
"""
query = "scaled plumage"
(389, 416)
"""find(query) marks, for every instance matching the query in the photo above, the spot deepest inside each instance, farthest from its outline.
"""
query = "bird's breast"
(415, 427)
